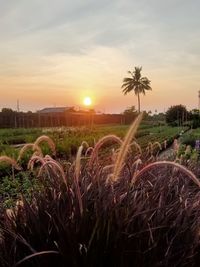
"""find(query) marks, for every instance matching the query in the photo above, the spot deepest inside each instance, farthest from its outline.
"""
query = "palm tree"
(136, 83)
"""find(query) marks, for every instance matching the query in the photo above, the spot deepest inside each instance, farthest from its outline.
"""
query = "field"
(83, 194)
(68, 140)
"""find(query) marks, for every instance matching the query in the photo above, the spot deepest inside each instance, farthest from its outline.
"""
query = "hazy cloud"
(45, 39)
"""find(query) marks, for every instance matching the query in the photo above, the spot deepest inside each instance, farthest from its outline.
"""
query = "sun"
(87, 101)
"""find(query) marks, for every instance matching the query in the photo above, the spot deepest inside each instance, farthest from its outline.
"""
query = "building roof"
(55, 110)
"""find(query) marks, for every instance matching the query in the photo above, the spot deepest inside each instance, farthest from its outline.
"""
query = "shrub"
(188, 140)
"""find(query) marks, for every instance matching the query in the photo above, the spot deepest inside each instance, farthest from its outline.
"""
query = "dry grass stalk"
(28, 146)
(125, 146)
(10, 161)
(100, 143)
(48, 140)
(183, 169)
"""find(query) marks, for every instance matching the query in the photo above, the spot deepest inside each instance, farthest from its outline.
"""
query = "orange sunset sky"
(54, 53)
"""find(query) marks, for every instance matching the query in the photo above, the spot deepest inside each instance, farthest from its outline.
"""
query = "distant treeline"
(14, 119)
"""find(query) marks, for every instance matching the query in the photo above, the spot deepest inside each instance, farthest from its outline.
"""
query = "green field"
(67, 140)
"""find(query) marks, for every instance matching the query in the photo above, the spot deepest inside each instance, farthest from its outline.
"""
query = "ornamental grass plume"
(78, 163)
(154, 222)
(171, 164)
(150, 145)
(175, 145)
(29, 146)
(84, 143)
(77, 174)
(165, 144)
(125, 146)
(148, 216)
(156, 144)
(137, 146)
(35, 159)
(55, 168)
(149, 149)
(102, 141)
(10, 161)
(89, 151)
(48, 140)
(78, 159)
(136, 165)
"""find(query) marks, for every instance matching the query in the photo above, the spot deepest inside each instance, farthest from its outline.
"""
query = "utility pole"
(18, 105)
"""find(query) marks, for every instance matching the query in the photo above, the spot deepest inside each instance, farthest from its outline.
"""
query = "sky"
(54, 53)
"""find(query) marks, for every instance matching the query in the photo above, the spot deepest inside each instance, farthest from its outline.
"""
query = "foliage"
(159, 117)
(130, 110)
(195, 117)
(11, 188)
(176, 115)
(68, 139)
(188, 139)
(130, 114)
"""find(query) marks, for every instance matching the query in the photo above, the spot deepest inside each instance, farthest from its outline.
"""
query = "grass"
(150, 222)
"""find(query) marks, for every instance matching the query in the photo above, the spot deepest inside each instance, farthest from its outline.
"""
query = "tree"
(130, 110)
(7, 111)
(194, 116)
(130, 114)
(176, 115)
(136, 83)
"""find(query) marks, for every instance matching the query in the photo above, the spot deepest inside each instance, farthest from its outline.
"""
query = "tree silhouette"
(136, 83)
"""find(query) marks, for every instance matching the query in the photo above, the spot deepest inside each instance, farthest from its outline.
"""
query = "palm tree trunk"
(138, 102)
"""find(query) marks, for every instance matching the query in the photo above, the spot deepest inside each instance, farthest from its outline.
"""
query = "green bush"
(188, 140)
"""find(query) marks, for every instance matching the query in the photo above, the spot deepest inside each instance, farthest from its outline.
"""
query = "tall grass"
(149, 215)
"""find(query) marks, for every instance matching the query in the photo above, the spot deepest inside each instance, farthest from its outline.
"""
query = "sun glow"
(87, 101)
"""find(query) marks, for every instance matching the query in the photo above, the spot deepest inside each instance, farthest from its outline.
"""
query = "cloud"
(91, 44)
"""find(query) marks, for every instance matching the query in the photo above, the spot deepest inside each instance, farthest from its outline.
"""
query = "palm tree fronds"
(136, 83)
